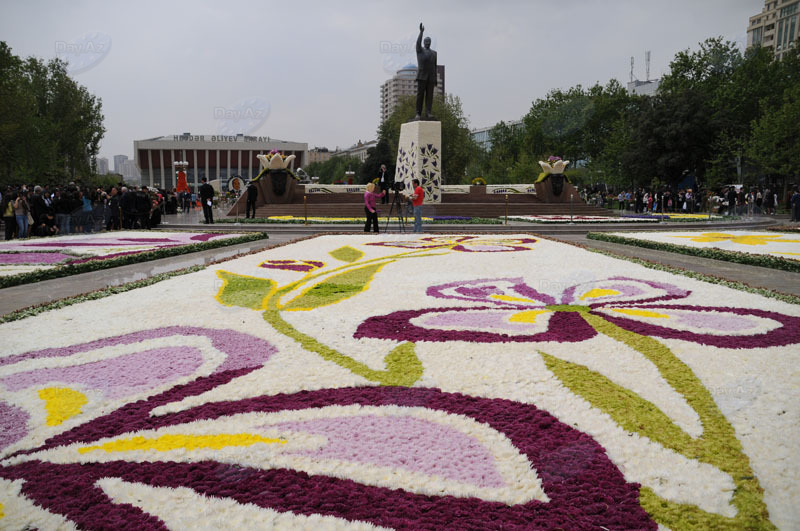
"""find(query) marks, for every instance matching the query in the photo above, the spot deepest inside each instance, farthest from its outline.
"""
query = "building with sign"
(215, 157)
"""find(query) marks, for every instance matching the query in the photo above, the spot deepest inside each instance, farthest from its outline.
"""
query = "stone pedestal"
(275, 187)
(419, 156)
(546, 194)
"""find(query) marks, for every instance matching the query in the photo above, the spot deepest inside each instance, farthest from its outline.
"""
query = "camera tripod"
(397, 202)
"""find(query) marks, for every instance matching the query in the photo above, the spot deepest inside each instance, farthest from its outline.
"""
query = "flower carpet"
(743, 241)
(22, 256)
(405, 381)
(554, 218)
(673, 217)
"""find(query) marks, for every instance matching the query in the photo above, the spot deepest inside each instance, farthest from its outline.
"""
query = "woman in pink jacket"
(370, 208)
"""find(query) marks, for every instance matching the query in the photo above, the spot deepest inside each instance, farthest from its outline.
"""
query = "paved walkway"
(19, 297)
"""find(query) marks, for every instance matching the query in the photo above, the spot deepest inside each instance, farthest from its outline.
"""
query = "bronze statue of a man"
(426, 75)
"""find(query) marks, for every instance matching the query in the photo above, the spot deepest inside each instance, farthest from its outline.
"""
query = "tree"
(334, 169)
(773, 142)
(50, 127)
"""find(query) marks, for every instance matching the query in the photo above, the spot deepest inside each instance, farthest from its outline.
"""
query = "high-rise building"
(211, 156)
(130, 172)
(118, 160)
(776, 27)
(404, 83)
(102, 166)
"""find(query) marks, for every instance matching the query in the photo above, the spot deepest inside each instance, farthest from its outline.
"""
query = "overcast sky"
(310, 71)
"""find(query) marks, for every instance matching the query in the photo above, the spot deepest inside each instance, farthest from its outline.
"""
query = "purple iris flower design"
(509, 310)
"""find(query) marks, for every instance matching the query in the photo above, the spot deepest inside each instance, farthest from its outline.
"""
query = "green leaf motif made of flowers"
(244, 291)
(347, 254)
(335, 289)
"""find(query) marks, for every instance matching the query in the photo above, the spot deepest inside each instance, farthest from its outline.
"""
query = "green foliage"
(458, 148)
(50, 126)
(333, 170)
(774, 141)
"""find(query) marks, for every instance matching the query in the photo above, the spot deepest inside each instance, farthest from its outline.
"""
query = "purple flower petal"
(562, 326)
(784, 329)
(585, 489)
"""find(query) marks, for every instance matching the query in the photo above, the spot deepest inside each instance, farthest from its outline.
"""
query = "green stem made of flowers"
(717, 445)
(403, 368)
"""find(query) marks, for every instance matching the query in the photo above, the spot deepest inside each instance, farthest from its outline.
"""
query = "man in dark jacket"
(113, 222)
(252, 195)
(206, 198)
(426, 75)
(142, 205)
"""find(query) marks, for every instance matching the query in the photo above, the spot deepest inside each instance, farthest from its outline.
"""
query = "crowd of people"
(733, 200)
(70, 209)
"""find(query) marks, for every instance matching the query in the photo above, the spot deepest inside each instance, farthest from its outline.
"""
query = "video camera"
(398, 186)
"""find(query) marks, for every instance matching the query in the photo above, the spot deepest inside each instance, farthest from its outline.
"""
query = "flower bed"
(401, 381)
(676, 217)
(553, 218)
(356, 221)
(778, 251)
(32, 260)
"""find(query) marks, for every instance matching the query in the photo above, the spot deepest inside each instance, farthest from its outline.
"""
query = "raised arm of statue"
(419, 39)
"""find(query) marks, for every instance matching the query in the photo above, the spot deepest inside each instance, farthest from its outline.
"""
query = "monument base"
(419, 156)
(545, 193)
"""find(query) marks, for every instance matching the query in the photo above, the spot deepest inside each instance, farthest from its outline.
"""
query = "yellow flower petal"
(641, 313)
(597, 292)
(509, 298)
(166, 443)
(61, 403)
(528, 316)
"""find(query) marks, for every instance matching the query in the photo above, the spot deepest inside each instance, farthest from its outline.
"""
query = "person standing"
(416, 202)
(206, 198)
(252, 195)
(9, 220)
(21, 210)
(794, 202)
(370, 207)
(385, 183)
(113, 217)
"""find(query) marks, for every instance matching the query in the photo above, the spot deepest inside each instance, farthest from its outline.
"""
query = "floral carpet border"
(772, 262)
(146, 256)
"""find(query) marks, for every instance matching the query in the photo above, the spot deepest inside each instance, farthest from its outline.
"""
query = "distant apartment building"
(644, 88)
(118, 160)
(102, 166)
(482, 135)
(358, 150)
(404, 83)
(776, 27)
(318, 154)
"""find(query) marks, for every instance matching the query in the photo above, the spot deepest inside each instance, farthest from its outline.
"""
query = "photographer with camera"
(370, 207)
(416, 202)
